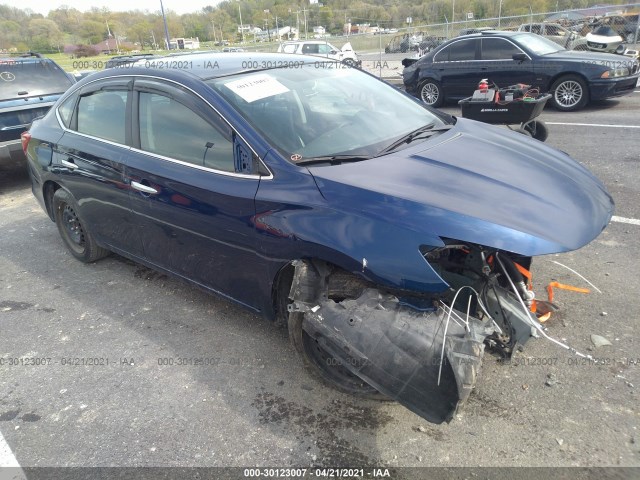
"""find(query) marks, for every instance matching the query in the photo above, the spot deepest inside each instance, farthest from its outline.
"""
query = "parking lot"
(113, 364)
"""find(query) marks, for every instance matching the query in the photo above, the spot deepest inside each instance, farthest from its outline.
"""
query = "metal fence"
(558, 24)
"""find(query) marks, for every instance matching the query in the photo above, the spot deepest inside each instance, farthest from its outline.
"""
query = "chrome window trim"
(208, 169)
(475, 60)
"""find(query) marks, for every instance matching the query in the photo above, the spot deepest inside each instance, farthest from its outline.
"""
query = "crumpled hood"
(480, 184)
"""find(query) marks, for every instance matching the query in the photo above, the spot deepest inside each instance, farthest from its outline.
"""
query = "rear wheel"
(431, 93)
(73, 231)
(569, 93)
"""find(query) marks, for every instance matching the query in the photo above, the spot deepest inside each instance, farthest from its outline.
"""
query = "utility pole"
(241, 26)
(166, 29)
(304, 10)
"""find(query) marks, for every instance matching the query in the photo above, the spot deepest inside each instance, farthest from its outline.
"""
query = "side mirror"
(519, 57)
(333, 52)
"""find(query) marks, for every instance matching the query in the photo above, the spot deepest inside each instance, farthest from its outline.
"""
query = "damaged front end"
(422, 350)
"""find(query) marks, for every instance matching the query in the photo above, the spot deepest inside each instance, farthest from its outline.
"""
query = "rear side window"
(102, 114)
(464, 50)
(170, 129)
(22, 78)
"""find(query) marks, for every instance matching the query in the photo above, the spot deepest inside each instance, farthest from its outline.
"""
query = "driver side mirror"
(519, 57)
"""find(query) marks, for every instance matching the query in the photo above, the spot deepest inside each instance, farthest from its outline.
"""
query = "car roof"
(488, 33)
(206, 65)
(305, 41)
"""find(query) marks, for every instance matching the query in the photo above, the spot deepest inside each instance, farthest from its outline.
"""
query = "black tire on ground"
(74, 233)
(569, 93)
(538, 130)
(430, 92)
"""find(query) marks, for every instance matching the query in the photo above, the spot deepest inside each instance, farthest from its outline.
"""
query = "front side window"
(325, 49)
(498, 49)
(171, 129)
(103, 114)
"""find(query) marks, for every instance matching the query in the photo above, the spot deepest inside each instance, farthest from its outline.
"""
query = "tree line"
(24, 30)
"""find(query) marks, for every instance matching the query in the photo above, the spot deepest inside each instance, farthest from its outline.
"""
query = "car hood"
(595, 58)
(480, 184)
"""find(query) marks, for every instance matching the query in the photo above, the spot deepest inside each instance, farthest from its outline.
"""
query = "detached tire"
(74, 233)
(538, 130)
(570, 93)
(430, 92)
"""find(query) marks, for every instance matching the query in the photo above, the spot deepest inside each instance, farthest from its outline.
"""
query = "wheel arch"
(48, 191)
(558, 76)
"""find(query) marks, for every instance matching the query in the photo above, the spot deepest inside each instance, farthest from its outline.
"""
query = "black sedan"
(453, 70)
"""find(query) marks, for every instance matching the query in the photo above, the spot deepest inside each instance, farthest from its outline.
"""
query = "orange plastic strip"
(562, 286)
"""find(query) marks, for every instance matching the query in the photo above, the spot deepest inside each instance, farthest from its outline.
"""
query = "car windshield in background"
(30, 78)
(537, 44)
(321, 110)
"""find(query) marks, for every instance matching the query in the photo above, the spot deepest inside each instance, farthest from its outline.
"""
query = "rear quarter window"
(22, 78)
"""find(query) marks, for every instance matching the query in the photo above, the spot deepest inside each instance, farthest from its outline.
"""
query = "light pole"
(499, 13)
(166, 29)
(241, 26)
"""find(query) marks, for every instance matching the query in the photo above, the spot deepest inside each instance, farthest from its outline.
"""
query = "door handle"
(69, 164)
(143, 188)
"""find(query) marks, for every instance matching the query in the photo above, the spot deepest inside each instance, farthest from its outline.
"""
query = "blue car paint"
(381, 210)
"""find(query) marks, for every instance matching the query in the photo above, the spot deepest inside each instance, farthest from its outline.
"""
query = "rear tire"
(73, 230)
(430, 92)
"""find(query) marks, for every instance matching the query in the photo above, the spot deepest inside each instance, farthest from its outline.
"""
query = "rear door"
(91, 155)
(193, 200)
(458, 68)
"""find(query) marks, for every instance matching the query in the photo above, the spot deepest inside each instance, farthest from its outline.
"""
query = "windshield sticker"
(257, 87)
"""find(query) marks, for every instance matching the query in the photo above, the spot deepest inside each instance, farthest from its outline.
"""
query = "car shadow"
(13, 177)
(255, 379)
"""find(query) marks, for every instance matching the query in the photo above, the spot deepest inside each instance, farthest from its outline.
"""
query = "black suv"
(29, 86)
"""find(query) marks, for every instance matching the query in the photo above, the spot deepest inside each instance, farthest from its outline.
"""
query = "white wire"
(535, 324)
(573, 271)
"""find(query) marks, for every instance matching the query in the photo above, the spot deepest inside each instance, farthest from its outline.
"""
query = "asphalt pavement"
(113, 364)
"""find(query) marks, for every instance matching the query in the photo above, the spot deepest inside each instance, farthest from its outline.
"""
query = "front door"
(194, 206)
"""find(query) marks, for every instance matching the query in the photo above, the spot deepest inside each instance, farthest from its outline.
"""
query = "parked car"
(325, 199)
(322, 48)
(453, 70)
(29, 86)
(469, 31)
(123, 60)
(417, 41)
(556, 33)
(604, 39)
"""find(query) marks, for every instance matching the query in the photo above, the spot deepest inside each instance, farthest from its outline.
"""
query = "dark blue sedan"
(391, 239)
(452, 71)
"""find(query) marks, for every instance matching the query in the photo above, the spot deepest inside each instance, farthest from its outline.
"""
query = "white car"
(321, 48)
(604, 39)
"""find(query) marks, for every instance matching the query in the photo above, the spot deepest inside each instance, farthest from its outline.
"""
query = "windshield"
(537, 44)
(323, 109)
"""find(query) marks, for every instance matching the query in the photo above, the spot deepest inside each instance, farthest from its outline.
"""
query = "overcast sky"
(179, 6)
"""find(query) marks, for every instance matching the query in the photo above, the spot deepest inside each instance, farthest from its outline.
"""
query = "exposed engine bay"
(422, 350)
